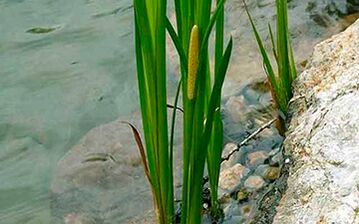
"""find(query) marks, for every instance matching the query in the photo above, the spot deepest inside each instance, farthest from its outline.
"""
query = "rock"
(234, 220)
(237, 108)
(230, 178)
(228, 148)
(323, 137)
(268, 172)
(256, 158)
(111, 191)
(254, 183)
(246, 209)
(261, 170)
(272, 173)
(242, 195)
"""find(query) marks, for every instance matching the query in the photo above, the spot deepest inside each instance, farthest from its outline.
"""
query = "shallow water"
(68, 66)
(54, 87)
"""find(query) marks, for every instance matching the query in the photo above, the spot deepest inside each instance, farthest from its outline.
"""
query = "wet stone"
(242, 195)
(262, 170)
(246, 209)
(272, 173)
(256, 158)
(236, 108)
(228, 148)
(254, 183)
(230, 178)
(234, 220)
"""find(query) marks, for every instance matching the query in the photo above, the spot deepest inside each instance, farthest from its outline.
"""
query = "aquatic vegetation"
(201, 97)
(281, 81)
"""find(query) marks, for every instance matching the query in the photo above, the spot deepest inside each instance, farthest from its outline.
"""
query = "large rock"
(323, 186)
(107, 191)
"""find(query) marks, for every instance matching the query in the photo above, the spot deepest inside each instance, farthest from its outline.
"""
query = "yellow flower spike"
(192, 62)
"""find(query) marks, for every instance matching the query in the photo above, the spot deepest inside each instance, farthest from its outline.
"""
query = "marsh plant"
(201, 97)
(280, 80)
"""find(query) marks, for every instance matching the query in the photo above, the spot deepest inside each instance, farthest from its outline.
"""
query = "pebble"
(272, 173)
(228, 148)
(268, 172)
(230, 178)
(256, 158)
(236, 107)
(262, 170)
(242, 195)
(254, 183)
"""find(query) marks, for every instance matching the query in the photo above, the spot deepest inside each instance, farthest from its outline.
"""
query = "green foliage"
(203, 128)
(281, 82)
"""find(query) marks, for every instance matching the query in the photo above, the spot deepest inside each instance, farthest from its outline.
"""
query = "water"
(68, 66)
(54, 87)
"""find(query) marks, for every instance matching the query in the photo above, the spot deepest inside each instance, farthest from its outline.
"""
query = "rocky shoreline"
(323, 139)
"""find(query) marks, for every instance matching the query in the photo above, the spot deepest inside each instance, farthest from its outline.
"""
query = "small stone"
(230, 178)
(268, 172)
(242, 195)
(254, 183)
(246, 209)
(272, 173)
(236, 107)
(256, 158)
(234, 220)
(228, 148)
(262, 170)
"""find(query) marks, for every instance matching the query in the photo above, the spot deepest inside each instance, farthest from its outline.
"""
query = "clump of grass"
(203, 128)
(281, 81)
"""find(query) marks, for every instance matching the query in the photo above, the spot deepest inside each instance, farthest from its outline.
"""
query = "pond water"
(69, 66)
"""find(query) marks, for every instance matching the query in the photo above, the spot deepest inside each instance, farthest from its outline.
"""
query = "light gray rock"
(323, 185)
(256, 158)
(254, 183)
(230, 178)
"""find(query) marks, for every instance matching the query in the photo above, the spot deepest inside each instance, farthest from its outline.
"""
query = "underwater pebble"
(261, 170)
(268, 172)
(254, 183)
(228, 148)
(272, 173)
(242, 195)
(234, 220)
(230, 178)
(256, 158)
(246, 209)
(237, 108)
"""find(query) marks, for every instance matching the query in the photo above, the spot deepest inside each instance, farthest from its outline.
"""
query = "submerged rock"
(324, 136)
(254, 183)
(230, 178)
(256, 158)
(109, 189)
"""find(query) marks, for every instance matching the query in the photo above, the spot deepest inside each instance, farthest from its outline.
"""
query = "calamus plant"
(201, 97)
